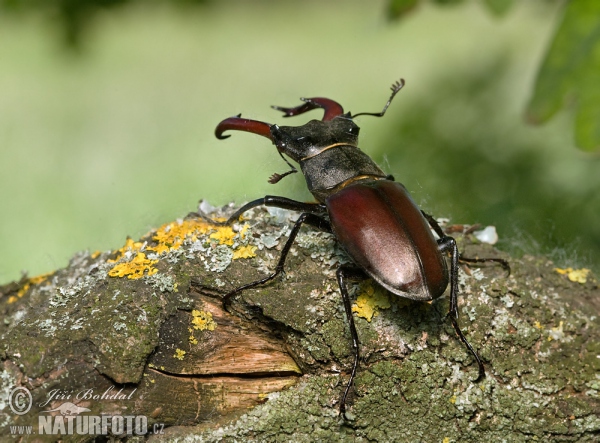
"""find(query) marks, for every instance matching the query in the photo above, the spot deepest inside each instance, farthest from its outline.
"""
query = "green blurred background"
(109, 133)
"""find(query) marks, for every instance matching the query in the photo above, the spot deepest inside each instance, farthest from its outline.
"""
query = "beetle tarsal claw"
(399, 84)
(275, 178)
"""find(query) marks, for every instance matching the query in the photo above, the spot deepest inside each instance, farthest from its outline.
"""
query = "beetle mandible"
(372, 217)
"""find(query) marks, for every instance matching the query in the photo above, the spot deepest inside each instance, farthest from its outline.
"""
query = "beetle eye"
(354, 130)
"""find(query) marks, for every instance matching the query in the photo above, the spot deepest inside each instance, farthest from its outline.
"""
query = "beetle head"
(306, 141)
(299, 142)
(309, 139)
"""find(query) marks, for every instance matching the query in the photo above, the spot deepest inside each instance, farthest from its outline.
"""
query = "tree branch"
(148, 336)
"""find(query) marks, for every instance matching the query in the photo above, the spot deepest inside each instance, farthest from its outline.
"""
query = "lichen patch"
(575, 275)
(33, 281)
(132, 262)
(134, 269)
(203, 321)
(370, 301)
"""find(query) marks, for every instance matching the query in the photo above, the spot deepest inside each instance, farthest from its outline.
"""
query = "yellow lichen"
(130, 245)
(136, 268)
(32, 281)
(244, 230)
(224, 235)
(179, 354)
(453, 399)
(170, 237)
(203, 321)
(556, 333)
(248, 251)
(160, 248)
(370, 301)
(575, 275)
(537, 325)
(95, 254)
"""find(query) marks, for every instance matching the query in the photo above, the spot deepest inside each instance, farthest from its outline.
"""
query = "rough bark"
(161, 346)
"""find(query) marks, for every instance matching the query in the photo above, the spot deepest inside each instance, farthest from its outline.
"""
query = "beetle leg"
(434, 224)
(345, 272)
(269, 200)
(448, 244)
(276, 177)
(439, 231)
(505, 265)
(311, 219)
(395, 88)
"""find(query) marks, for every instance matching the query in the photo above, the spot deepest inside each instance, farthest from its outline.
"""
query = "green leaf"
(498, 7)
(398, 8)
(571, 72)
(447, 2)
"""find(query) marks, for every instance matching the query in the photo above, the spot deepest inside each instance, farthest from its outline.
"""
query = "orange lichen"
(134, 269)
(33, 281)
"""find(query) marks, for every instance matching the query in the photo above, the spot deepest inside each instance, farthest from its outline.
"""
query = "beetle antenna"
(395, 88)
(276, 177)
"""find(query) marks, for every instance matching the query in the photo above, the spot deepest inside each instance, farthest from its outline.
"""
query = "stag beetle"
(372, 217)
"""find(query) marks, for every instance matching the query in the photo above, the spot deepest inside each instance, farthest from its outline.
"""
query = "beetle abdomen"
(385, 233)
